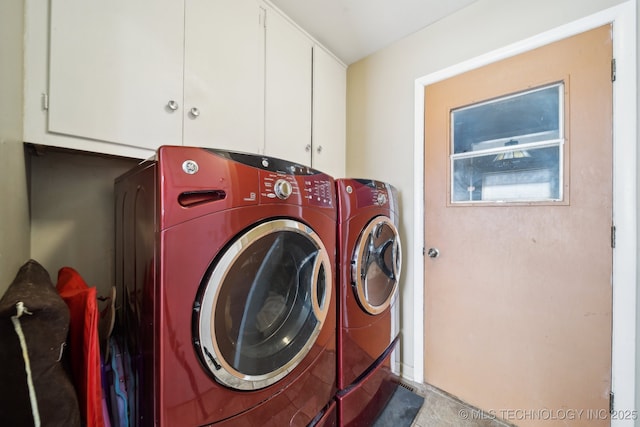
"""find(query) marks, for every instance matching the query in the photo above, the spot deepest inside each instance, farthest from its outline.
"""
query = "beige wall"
(380, 101)
(14, 209)
(72, 213)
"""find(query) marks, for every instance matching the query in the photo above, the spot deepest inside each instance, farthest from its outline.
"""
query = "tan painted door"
(518, 300)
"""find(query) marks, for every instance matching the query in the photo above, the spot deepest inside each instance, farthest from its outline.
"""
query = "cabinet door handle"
(319, 149)
(307, 148)
(172, 105)
(194, 112)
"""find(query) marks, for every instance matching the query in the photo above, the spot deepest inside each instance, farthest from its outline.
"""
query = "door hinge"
(611, 402)
(613, 70)
(45, 101)
(613, 236)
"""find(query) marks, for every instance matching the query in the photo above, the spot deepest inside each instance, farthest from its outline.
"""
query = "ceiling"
(353, 29)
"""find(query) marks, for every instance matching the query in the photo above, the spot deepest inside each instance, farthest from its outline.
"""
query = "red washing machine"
(369, 257)
(225, 267)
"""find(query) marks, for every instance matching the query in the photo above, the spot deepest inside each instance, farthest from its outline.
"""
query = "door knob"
(194, 112)
(433, 253)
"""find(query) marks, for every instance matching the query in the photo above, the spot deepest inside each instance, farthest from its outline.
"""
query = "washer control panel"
(281, 181)
(381, 199)
(305, 190)
(371, 193)
(318, 192)
(278, 186)
(376, 196)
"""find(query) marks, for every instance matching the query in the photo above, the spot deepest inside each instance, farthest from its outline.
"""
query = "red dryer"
(225, 264)
(369, 263)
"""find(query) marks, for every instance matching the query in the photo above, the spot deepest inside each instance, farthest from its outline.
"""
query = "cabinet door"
(288, 91)
(224, 74)
(329, 113)
(114, 67)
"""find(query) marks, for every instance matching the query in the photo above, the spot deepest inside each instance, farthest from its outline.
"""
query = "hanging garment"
(83, 343)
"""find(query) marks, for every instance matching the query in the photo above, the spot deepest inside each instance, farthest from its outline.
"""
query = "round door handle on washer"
(433, 253)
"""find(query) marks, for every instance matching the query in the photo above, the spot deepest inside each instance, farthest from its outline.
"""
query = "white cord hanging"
(20, 310)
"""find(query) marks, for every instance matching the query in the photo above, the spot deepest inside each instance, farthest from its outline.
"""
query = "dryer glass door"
(376, 265)
(263, 304)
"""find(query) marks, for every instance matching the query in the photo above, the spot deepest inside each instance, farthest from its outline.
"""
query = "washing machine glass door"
(375, 266)
(262, 305)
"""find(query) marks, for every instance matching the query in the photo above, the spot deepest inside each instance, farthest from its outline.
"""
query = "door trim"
(624, 333)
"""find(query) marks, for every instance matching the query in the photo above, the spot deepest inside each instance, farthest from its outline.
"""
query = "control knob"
(283, 189)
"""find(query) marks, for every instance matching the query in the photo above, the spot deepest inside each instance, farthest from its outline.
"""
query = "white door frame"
(625, 211)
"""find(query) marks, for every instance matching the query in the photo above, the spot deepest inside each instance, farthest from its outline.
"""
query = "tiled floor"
(442, 410)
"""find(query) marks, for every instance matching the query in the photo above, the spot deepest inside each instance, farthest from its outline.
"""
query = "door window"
(263, 304)
(509, 149)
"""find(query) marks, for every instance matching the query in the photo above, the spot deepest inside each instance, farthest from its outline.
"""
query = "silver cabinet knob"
(433, 253)
(307, 148)
(194, 112)
(172, 105)
(319, 149)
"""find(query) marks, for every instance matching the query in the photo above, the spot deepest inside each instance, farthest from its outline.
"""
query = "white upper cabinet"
(130, 75)
(124, 77)
(288, 91)
(223, 74)
(305, 99)
(114, 68)
(329, 114)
